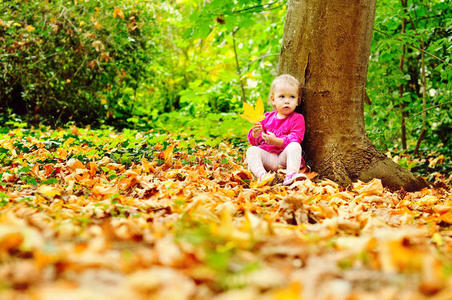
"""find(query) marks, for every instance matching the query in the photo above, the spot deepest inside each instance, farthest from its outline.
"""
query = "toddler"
(276, 139)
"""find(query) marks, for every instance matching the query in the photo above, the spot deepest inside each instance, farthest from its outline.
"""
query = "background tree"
(326, 45)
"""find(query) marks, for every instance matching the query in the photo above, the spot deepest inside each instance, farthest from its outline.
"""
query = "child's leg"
(259, 160)
(291, 158)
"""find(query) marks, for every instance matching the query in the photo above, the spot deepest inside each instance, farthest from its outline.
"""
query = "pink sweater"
(290, 129)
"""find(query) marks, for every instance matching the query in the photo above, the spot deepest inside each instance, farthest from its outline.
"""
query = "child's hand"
(257, 130)
(271, 139)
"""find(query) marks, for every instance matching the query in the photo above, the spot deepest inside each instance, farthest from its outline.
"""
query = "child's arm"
(271, 139)
(256, 132)
(296, 132)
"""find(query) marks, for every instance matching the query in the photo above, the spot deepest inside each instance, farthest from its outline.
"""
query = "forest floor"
(90, 214)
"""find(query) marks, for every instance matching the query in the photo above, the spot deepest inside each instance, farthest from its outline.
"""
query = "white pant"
(260, 161)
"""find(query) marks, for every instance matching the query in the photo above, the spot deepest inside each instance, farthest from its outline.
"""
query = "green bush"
(71, 60)
(430, 23)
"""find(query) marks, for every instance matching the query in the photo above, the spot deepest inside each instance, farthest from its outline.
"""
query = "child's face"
(285, 98)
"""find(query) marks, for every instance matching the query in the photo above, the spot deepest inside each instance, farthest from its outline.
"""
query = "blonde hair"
(288, 79)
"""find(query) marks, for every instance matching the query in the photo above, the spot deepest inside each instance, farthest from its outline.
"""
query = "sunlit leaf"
(253, 114)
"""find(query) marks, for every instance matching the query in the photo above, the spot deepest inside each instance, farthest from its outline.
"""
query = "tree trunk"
(326, 45)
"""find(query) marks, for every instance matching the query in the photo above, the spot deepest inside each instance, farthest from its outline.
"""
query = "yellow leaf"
(30, 28)
(404, 258)
(68, 142)
(97, 25)
(253, 114)
(293, 291)
(437, 239)
(49, 191)
(266, 180)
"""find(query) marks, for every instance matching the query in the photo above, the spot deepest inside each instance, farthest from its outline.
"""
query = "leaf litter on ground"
(90, 214)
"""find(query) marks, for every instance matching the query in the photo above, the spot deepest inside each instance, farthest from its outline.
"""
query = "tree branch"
(415, 47)
(429, 108)
(239, 72)
(260, 57)
(255, 8)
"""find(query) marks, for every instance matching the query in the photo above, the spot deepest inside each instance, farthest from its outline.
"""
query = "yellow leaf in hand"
(253, 114)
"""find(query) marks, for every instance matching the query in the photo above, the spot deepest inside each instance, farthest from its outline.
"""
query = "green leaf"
(50, 180)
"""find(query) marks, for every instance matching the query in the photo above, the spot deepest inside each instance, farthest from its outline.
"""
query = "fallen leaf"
(49, 191)
(117, 13)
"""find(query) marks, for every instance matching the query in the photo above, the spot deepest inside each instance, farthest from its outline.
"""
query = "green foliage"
(195, 70)
(214, 127)
(92, 66)
(72, 60)
(428, 23)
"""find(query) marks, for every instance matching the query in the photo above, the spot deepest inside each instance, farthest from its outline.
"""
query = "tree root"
(392, 176)
(364, 163)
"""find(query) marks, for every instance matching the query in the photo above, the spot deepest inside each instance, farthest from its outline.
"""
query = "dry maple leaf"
(253, 114)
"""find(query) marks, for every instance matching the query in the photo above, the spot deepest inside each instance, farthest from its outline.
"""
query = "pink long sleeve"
(290, 129)
(252, 140)
(296, 132)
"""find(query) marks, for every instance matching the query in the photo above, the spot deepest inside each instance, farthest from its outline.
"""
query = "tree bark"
(326, 45)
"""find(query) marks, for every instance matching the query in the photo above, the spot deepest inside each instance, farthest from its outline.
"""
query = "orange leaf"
(48, 170)
(373, 187)
(447, 217)
(75, 164)
(148, 167)
(102, 190)
(92, 168)
(10, 241)
(117, 13)
(168, 155)
(74, 130)
(404, 258)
